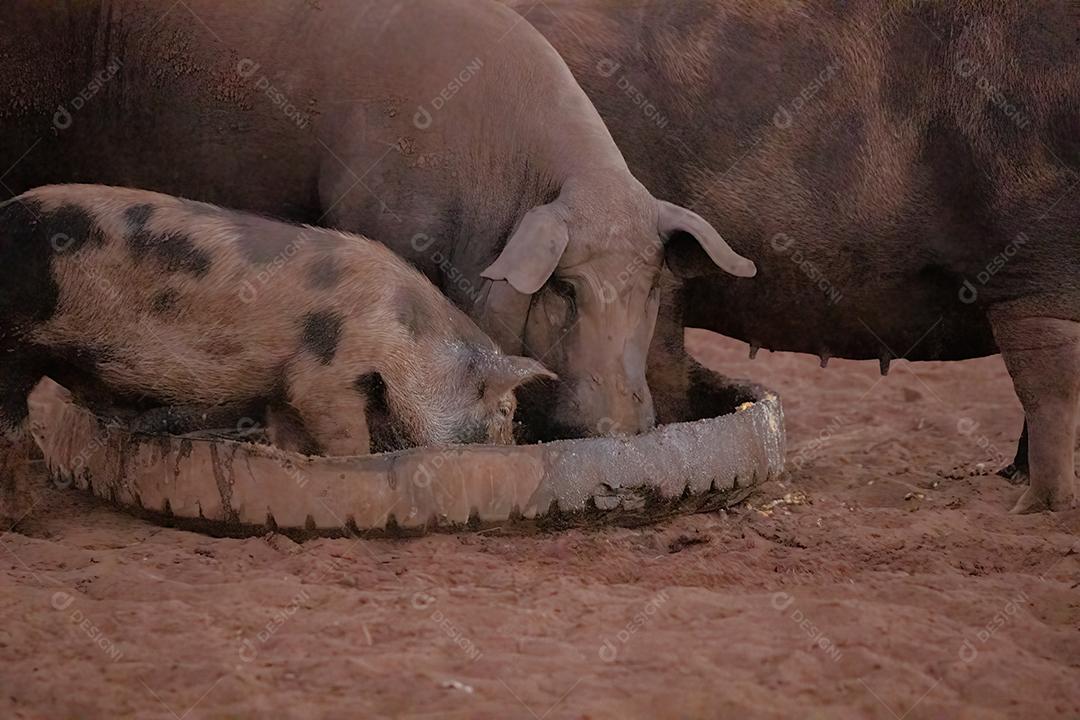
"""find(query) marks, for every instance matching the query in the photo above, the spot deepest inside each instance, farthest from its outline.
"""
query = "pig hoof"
(1033, 501)
(1015, 475)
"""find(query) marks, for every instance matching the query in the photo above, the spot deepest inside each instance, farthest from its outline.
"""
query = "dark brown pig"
(138, 295)
(904, 175)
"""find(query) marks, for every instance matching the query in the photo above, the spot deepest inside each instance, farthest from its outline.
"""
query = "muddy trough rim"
(227, 488)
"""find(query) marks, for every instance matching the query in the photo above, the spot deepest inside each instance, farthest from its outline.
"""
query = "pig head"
(581, 294)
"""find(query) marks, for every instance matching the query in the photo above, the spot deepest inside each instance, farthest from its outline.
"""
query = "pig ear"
(532, 253)
(512, 370)
(674, 219)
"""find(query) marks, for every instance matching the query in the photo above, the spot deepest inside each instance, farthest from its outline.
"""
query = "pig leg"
(18, 490)
(332, 409)
(1043, 358)
(286, 431)
(668, 368)
(1016, 472)
(17, 379)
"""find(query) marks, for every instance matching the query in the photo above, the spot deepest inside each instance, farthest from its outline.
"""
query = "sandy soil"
(881, 579)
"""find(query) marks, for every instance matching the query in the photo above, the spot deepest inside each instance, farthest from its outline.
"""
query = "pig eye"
(505, 409)
(561, 303)
(564, 289)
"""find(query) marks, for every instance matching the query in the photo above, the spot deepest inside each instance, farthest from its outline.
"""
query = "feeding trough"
(733, 439)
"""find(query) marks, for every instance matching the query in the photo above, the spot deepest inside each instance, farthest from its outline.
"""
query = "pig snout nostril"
(597, 380)
(638, 399)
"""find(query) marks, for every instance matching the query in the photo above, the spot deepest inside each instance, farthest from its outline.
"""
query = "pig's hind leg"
(17, 378)
(1043, 357)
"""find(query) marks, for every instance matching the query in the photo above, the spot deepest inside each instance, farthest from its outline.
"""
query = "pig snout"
(607, 405)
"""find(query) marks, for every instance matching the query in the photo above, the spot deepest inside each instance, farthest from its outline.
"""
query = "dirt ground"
(882, 578)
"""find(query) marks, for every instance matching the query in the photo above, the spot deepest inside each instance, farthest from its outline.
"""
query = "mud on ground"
(881, 579)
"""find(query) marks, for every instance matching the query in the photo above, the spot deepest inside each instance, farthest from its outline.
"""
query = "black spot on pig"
(71, 228)
(320, 334)
(173, 251)
(324, 272)
(139, 239)
(164, 301)
(28, 292)
(137, 216)
(177, 253)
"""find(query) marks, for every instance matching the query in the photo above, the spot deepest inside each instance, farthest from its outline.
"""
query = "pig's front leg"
(668, 371)
(285, 430)
(1016, 472)
(332, 408)
(18, 494)
(1043, 357)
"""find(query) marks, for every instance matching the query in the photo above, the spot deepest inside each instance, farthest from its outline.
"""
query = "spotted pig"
(148, 298)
